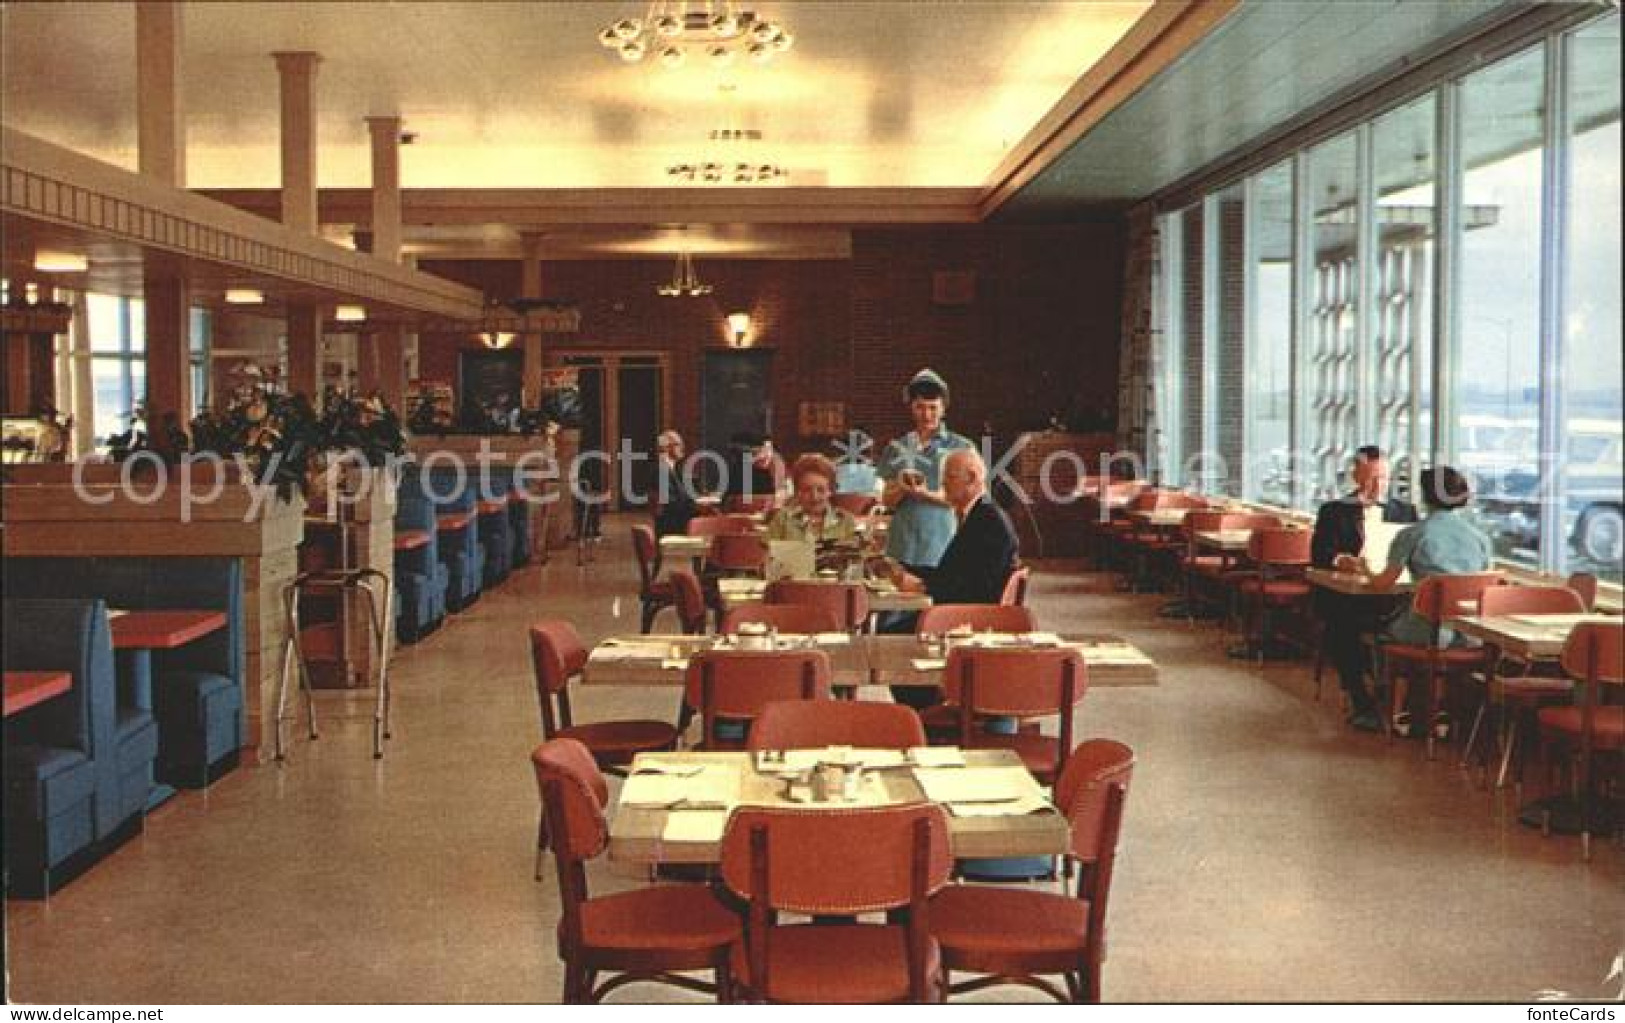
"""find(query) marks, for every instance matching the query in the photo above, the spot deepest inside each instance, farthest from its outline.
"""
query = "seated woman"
(1441, 544)
(810, 515)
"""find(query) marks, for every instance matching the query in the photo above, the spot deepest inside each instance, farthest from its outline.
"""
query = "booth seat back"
(61, 770)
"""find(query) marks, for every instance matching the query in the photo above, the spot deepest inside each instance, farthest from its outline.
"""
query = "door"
(735, 396)
(622, 409)
(637, 400)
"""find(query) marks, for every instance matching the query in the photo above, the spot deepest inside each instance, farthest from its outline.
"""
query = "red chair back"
(647, 549)
(857, 505)
(574, 795)
(850, 601)
(1022, 683)
(1529, 600)
(1015, 587)
(1251, 520)
(1279, 547)
(1595, 652)
(796, 619)
(736, 684)
(557, 655)
(738, 552)
(1081, 791)
(1585, 584)
(689, 600)
(719, 525)
(934, 621)
(814, 724)
(1444, 596)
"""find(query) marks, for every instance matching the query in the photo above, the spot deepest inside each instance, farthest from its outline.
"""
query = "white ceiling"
(892, 94)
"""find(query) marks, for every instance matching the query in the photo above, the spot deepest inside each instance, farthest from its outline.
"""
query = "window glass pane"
(1269, 348)
(138, 325)
(1591, 497)
(1402, 312)
(1229, 347)
(1329, 355)
(111, 399)
(105, 314)
(1188, 371)
(1496, 371)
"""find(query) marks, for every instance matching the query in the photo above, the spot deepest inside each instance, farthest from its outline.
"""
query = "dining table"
(25, 689)
(673, 807)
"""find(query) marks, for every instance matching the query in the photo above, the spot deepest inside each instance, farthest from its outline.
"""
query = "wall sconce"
(496, 339)
(739, 326)
(59, 262)
(350, 314)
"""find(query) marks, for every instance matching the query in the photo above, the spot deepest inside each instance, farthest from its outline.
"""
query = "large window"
(1356, 293)
(118, 360)
(1591, 534)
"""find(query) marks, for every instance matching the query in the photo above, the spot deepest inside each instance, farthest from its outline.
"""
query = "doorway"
(736, 388)
(623, 405)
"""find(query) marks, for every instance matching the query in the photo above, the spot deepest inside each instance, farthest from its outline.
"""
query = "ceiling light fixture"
(713, 172)
(684, 283)
(672, 27)
(244, 296)
(55, 261)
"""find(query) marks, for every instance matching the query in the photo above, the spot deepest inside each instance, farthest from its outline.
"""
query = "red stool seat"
(1607, 724)
(671, 918)
(616, 742)
(839, 964)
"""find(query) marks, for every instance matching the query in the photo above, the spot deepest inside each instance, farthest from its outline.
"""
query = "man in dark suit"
(674, 501)
(1339, 536)
(977, 561)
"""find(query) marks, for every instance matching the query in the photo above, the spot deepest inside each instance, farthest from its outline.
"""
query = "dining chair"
(1015, 587)
(688, 596)
(792, 619)
(1585, 584)
(850, 601)
(654, 594)
(1201, 569)
(1594, 656)
(645, 934)
(815, 724)
(735, 554)
(1511, 683)
(1279, 557)
(1436, 599)
(837, 863)
(558, 656)
(941, 618)
(1020, 683)
(1015, 935)
(732, 686)
(1147, 543)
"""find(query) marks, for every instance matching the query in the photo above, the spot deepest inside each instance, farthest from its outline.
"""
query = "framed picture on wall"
(489, 383)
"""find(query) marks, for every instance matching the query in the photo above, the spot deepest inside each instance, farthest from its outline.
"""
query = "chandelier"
(684, 283)
(672, 27)
(712, 172)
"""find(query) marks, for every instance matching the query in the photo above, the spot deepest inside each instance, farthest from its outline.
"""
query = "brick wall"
(1039, 335)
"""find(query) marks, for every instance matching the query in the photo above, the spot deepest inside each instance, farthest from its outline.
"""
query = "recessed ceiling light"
(244, 296)
(53, 261)
(350, 313)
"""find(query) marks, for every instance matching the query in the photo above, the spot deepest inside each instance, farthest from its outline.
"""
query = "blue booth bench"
(78, 767)
(197, 694)
(421, 577)
(452, 497)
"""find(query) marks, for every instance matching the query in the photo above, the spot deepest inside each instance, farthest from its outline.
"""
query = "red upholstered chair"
(557, 655)
(646, 934)
(1019, 936)
(718, 525)
(737, 554)
(1594, 656)
(857, 505)
(1017, 683)
(1279, 557)
(1015, 587)
(1511, 684)
(850, 601)
(1148, 543)
(689, 599)
(1437, 598)
(1108, 522)
(794, 619)
(941, 618)
(837, 862)
(814, 724)
(656, 595)
(734, 685)
(1203, 569)
(1585, 584)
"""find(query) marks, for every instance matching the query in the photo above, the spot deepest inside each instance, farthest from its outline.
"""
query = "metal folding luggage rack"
(376, 585)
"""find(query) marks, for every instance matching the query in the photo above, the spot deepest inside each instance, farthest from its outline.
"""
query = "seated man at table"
(810, 516)
(1340, 531)
(674, 499)
(978, 559)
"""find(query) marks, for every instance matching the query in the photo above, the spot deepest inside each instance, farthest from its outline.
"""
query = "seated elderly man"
(674, 498)
(977, 561)
(809, 515)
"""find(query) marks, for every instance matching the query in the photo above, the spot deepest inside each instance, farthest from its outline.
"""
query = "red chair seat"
(616, 742)
(976, 921)
(1607, 725)
(660, 590)
(1040, 754)
(1454, 656)
(1533, 687)
(1276, 589)
(855, 964)
(665, 917)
